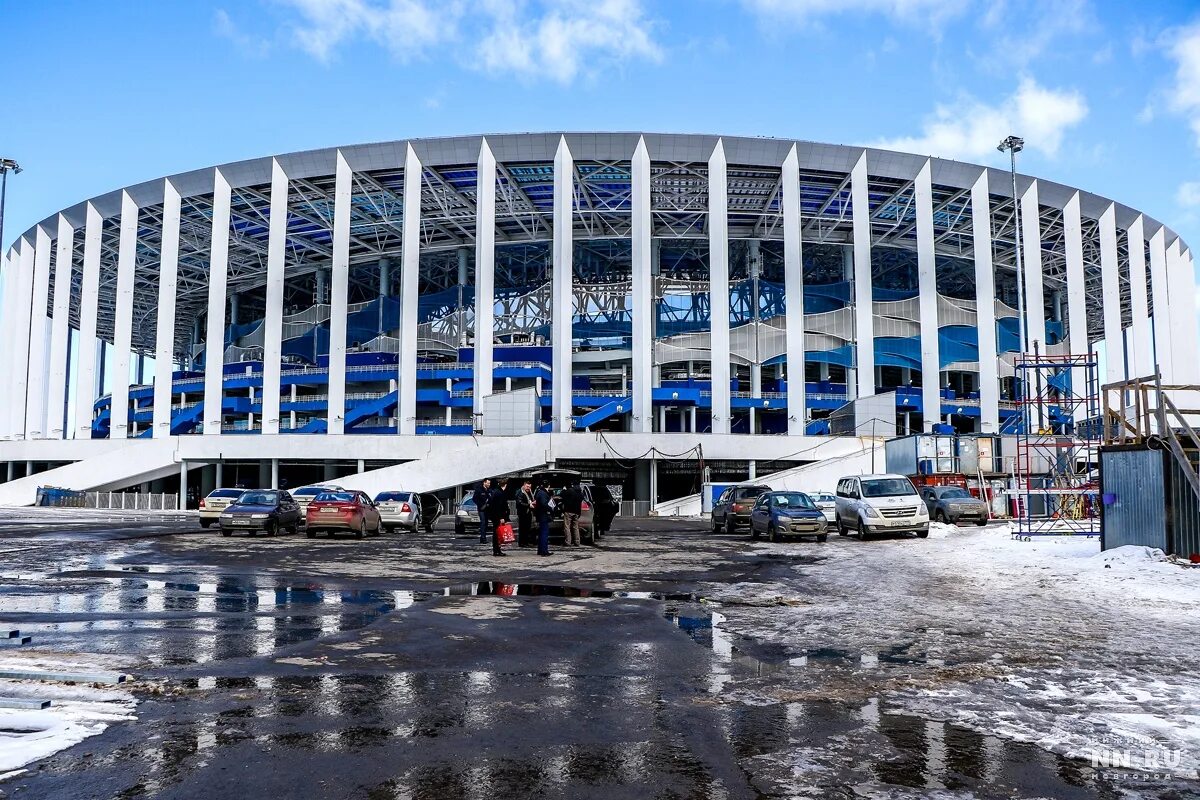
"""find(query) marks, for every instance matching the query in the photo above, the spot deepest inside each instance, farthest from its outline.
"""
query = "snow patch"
(77, 712)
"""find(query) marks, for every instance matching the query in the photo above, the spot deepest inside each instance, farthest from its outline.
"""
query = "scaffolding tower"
(1058, 445)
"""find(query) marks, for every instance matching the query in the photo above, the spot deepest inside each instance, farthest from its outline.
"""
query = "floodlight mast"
(6, 164)
(1013, 145)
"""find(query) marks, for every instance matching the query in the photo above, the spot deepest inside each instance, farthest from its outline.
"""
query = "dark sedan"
(267, 510)
(779, 514)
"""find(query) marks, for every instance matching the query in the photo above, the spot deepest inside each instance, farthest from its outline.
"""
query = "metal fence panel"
(1183, 512)
(1133, 498)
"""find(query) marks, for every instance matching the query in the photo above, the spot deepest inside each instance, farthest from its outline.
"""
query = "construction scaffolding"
(1056, 486)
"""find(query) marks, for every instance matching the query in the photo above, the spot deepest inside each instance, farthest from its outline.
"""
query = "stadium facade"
(661, 294)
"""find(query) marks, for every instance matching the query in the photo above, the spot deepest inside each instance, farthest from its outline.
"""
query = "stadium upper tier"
(641, 282)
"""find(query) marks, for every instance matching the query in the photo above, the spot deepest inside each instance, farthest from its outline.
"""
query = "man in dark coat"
(483, 493)
(525, 514)
(497, 511)
(541, 508)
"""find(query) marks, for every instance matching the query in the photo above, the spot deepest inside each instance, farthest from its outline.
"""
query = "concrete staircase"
(144, 460)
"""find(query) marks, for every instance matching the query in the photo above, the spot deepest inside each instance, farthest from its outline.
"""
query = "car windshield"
(749, 493)
(335, 497)
(385, 497)
(227, 493)
(887, 487)
(825, 497)
(792, 500)
(258, 499)
(469, 503)
(956, 494)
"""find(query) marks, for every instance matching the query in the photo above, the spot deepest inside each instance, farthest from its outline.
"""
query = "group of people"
(534, 503)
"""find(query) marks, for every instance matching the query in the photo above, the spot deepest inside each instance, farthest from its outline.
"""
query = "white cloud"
(805, 11)
(1188, 195)
(971, 129)
(226, 28)
(554, 39)
(1183, 97)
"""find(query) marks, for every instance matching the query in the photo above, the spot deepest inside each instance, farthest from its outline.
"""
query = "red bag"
(504, 532)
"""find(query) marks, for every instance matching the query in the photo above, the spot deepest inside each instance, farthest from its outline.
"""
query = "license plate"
(241, 522)
(329, 511)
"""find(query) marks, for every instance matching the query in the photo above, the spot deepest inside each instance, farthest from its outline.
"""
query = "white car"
(408, 510)
(305, 494)
(216, 502)
(880, 504)
(827, 502)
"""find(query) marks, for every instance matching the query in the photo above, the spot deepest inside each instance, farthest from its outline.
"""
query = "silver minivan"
(870, 504)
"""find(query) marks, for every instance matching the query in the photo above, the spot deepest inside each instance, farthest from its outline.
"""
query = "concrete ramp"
(465, 460)
(144, 460)
(836, 458)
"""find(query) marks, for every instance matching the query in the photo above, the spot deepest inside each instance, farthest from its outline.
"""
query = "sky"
(97, 96)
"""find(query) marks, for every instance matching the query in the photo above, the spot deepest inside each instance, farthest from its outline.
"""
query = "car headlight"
(922, 511)
(871, 512)
(259, 516)
(462, 513)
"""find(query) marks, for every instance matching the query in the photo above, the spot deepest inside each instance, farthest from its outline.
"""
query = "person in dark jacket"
(572, 500)
(483, 493)
(541, 508)
(498, 513)
(525, 514)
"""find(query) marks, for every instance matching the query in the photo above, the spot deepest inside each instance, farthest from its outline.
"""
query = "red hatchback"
(342, 511)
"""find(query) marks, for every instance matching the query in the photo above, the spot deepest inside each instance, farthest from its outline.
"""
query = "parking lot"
(671, 662)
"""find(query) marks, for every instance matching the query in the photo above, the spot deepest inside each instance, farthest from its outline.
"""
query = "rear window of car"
(749, 492)
(227, 493)
(310, 490)
(385, 497)
(335, 497)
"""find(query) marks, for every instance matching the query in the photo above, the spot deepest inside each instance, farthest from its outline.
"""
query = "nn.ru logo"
(1151, 759)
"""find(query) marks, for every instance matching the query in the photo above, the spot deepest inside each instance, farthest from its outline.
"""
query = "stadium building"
(421, 313)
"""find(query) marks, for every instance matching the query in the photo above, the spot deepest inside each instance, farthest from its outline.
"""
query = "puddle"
(491, 588)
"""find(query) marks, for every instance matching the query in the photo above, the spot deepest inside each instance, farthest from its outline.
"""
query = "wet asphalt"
(419, 666)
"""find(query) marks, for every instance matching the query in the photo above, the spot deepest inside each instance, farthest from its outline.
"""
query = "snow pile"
(943, 530)
(1129, 555)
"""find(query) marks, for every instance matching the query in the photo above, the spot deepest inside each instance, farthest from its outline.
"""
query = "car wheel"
(310, 532)
(940, 516)
(270, 529)
(775, 535)
(842, 529)
(982, 522)
(822, 537)
(714, 527)
(362, 530)
(226, 533)
(753, 531)
(862, 531)
(204, 523)
(923, 534)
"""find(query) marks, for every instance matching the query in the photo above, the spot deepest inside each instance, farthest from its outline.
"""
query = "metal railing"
(131, 501)
(1155, 417)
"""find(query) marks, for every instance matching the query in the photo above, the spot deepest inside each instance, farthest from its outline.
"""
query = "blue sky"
(101, 95)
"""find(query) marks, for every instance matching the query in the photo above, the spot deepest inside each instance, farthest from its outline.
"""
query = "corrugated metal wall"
(1133, 498)
(1183, 512)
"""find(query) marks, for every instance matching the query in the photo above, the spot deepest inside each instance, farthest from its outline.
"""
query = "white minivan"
(880, 504)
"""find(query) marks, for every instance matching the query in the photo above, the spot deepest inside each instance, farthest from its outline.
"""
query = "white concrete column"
(1141, 357)
(410, 265)
(218, 280)
(1031, 258)
(1161, 324)
(335, 419)
(864, 303)
(273, 318)
(931, 369)
(22, 345)
(56, 392)
(793, 293)
(119, 427)
(562, 296)
(1181, 287)
(39, 329)
(8, 330)
(1077, 334)
(718, 287)
(168, 284)
(85, 351)
(1110, 285)
(642, 292)
(985, 305)
(485, 274)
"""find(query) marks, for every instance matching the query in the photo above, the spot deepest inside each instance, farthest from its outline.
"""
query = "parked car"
(216, 502)
(466, 518)
(343, 511)
(955, 505)
(408, 510)
(732, 509)
(267, 510)
(827, 502)
(558, 479)
(779, 514)
(305, 494)
(880, 504)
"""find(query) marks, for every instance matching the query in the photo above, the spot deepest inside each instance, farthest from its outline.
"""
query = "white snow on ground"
(1048, 641)
(76, 711)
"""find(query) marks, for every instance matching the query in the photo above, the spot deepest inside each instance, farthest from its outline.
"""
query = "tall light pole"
(1013, 145)
(6, 164)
